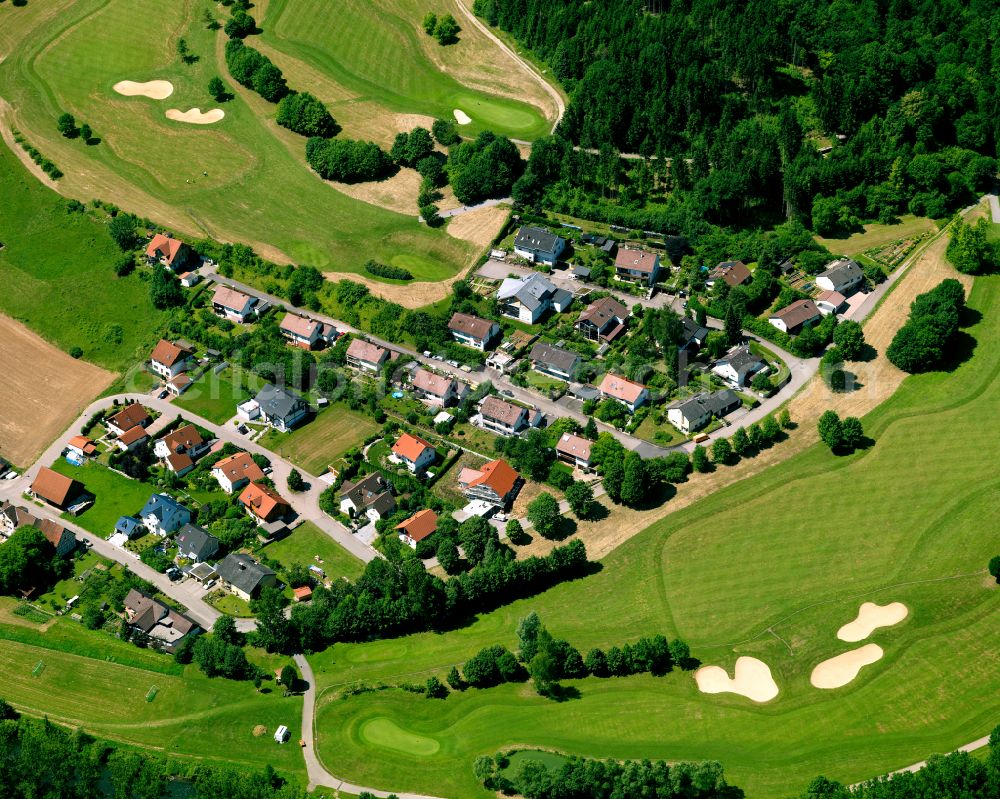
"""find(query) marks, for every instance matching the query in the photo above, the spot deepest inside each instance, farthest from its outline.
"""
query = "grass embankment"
(241, 179)
(769, 567)
(192, 717)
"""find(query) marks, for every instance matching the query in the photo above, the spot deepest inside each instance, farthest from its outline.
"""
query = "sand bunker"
(870, 618)
(461, 117)
(153, 89)
(840, 670)
(195, 116)
(753, 680)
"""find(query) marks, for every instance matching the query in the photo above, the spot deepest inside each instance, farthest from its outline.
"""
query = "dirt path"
(6, 123)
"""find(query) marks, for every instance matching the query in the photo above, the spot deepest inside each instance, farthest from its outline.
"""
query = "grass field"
(315, 445)
(378, 56)
(243, 179)
(57, 276)
(192, 717)
(307, 541)
(215, 396)
(769, 567)
(115, 495)
(876, 235)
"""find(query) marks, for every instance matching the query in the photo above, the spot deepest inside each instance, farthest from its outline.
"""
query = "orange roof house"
(169, 354)
(167, 251)
(55, 488)
(236, 470)
(624, 390)
(496, 482)
(83, 445)
(414, 452)
(263, 503)
(420, 525)
(132, 415)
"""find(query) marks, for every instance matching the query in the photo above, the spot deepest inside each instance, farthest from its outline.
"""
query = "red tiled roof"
(168, 353)
(637, 260)
(239, 466)
(621, 388)
(470, 325)
(420, 525)
(437, 385)
(500, 411)
(410, 447)
(54, 487)
(799, 312)
(574, 445)
(178, 463)
(498, 475)
(299, 325)
(183, 438)
(164, 247)
(365, 351)
(262, 501)
(230, 298)
(130, 416)
(132, 435)
(84, 444)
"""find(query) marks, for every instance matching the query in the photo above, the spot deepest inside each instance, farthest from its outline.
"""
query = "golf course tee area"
(241, 177)
(771, 568)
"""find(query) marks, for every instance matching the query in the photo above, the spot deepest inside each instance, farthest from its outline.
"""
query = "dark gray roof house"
(739, 366)
(280, 407)
(196, 543)
(538, 244)
(694, 334)
(244, 575)
(554, 360)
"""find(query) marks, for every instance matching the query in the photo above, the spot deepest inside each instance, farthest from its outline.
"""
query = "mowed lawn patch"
(215, 396)
(115, 495)
(877, 235)
(315, 445)
(57, 276)
(770, 567)
(235, 180)
(305, 543)
(43, 390)
(191, 716)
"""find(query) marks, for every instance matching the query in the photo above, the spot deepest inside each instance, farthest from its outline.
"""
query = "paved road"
(994, 202)
(979, 743)
(464, 209)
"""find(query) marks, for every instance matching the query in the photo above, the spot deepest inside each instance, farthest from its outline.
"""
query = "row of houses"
(839, 280)
(540, 246)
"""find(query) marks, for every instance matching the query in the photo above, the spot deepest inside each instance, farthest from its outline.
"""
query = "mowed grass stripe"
(769, 567)
(316, 445)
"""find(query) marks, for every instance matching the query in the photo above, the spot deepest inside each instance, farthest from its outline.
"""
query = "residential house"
(169, 359)
(264, 504)
(365, 356)
(414, 453)
(169, 252)
(734, 273)
(82, 447)
(132, 415)
(189, 279)
(792, 318)
(130, 527)
(178, 385)
(574, 450)
(637, 266)
(303, 593)
(132, 438)
(305, 332)
(370, 496)
(631, 394)
(503, 417)
(232, 304)
(196, 543)
(164, 625)
(244, 576)
(738, 367)
(473, 331)
(237, 471)
(580, 273)
(162, 514)
(538, 245)
(842, 276)
(694, 335)
(603, 319)
(280, 408)
(694, 413)
(496, 483)
(437, 388)
(56, 489)
(14, 516)
(554, 361)
(530, 297)
(184, 440)
(415, 529)
(830, 302)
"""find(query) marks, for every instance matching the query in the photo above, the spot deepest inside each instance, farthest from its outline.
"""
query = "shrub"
(346, 160)
(445, 132)
(306, 115)
(387, 271)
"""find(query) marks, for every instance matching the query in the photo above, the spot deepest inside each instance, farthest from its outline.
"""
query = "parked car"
(162, 394)
(453, 363)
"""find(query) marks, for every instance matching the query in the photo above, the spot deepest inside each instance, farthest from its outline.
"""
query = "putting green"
(386, 733)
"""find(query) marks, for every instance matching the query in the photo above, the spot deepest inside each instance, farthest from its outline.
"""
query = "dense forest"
(833, 112)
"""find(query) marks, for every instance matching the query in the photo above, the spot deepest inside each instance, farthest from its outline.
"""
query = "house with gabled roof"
(365, 356)
(419, 526)
(232, 304)
(631, 394)
(264, 504)
(554, 361)
(82, 446)
(502, 417)
(696, 412)
(830, 302)
(244, 576)
(438, 389)
(496, 483)
(169, 359)
(637, 266)
(307, 333)
(693, 334)
(184, 440)
(530, 297)
(162, 514)
(739, 366)
(171, 253)
(130, 527)
(793, 318)
(164, 625)
(237, 471)
(603, 319)
(56, 489)
(538, 245)
(13, 517)
(280, 408)
(733, 273)
(843, 276)
(414, 453)
(370, 496)
(473, 331)
(196, 543)
(132, 438)
(574, 450)
(132, 415)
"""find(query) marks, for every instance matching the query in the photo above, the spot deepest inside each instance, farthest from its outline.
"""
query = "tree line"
(923, 343)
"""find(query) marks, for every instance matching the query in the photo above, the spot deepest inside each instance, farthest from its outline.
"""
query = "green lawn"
(305, 543)
(242, 179)
(215, 396)
(115, 495)
(230, 604)
(57, 276)
(378, 53)
(315, 445)
(769, 567)
(191, 717)
(543, 382)
(877, 235)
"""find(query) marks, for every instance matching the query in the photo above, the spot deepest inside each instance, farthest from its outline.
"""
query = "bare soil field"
(42, 392)
(479, 227)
